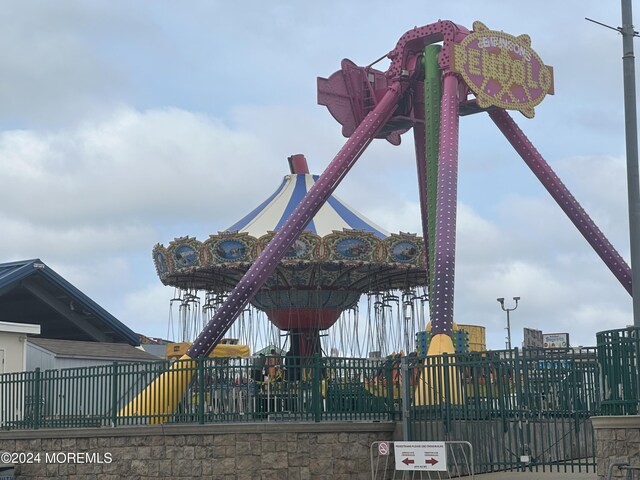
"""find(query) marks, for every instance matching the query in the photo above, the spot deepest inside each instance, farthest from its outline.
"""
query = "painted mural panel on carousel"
(229, 248)
(160, 262)
(184, 252)
(404, 251)
(351, 245)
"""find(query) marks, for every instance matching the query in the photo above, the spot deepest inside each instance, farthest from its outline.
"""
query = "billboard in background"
(532, 338)
(555, 340)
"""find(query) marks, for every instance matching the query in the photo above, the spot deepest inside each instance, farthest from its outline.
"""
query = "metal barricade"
(623, 471)
(428, 460)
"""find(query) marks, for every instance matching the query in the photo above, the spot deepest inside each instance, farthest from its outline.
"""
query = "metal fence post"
(201, 360)
(405, 397)
(446, 387)
(36, 399)
(316, 388)
(114, 394)
(388, 380)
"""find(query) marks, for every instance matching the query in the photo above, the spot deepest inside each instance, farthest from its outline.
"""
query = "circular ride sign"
(502, 70)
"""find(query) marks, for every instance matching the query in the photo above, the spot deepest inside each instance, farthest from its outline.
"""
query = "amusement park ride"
(438, 73)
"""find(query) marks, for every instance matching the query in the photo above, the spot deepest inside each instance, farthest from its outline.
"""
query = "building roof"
(21, 328)
(31, 292)
(76, 349)
(333, 215)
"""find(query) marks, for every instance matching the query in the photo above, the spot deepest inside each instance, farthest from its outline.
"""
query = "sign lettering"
(502, 70)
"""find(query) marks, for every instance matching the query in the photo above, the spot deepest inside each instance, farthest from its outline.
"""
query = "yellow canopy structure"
(177, 350)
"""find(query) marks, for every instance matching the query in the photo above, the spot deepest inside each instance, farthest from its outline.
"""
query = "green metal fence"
(618, 355)
(522, 410)
(222, 390)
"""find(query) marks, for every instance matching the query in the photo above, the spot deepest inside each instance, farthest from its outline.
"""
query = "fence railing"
(619, 357)
(222, 390)
(521, 410)
(473, 386)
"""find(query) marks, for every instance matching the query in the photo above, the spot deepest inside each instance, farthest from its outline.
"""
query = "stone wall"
(617, 441)
(269, 451)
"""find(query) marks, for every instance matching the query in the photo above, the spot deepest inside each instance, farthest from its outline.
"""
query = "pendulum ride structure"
(438, 73)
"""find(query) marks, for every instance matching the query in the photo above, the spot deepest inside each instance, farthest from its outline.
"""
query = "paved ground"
(537, 476)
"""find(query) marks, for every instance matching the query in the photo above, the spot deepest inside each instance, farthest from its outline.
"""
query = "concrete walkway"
(537, 476)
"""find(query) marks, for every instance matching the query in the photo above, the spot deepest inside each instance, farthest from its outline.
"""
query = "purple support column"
(562, 196)
(441, 305)
(268, 260)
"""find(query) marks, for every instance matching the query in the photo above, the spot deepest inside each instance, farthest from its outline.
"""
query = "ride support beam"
(441, 305)
(432, 106)
(563, 196)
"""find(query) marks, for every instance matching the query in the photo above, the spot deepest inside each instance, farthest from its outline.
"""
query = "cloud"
(136, 166)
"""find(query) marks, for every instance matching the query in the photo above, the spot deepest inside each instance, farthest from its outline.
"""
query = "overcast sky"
(124, 124)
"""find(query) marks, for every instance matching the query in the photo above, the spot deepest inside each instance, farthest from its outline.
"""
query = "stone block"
(224, 440)
(143, 453)
(189, 452)
(224, 466)
(155, 440)
(184, 467)
(139, 467)
(243, 448)
(248, 463)
(320, 466)
(633, 435)
(157, 452)
(200, 452)
(276, 474)
(606, 434)
(174, 452)
(165, 467)
(274, 460)
(326, 438)
(105, 442)
(297, 459)
(275, 438)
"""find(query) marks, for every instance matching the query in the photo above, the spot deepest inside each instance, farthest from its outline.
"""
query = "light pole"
(508, 329)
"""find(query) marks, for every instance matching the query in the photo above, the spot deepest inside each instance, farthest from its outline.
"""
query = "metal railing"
(618, 356)
(523, 410)
(623, 471)
(221, 390)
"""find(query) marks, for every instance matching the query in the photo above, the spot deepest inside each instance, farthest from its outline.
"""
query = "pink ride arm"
(563, 197)
(266, 263)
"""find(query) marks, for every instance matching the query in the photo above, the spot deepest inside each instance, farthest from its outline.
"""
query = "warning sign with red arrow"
(421, 456)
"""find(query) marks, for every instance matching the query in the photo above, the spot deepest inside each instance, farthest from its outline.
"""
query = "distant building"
(47, 354)
(32, 293)
(64, 327)
(13, 350)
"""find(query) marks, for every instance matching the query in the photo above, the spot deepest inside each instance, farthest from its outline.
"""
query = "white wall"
(13, 338)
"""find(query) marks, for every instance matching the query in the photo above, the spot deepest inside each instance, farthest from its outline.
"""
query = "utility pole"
(631, 135)
(631, 138)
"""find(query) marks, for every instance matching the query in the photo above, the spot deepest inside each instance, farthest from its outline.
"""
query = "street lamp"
(508, 329)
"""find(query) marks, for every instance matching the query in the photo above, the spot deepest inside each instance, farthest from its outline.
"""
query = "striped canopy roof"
(334, 214)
